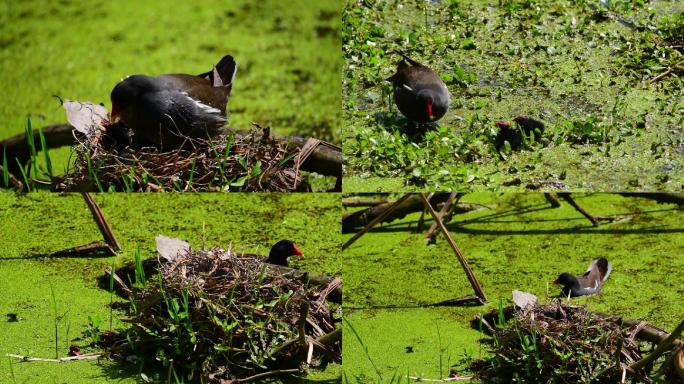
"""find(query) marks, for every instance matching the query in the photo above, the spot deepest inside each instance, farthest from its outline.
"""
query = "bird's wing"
(597, 273)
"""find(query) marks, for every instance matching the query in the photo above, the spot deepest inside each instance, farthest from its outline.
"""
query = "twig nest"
(224, 316)
(110, 157)
(558, 343)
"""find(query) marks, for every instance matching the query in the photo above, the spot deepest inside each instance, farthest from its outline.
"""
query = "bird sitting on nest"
(281, 251)
(170, 110)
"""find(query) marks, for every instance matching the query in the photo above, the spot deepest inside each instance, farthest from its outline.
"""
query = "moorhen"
(281, 251)
(419, 93)
(589, 283)
(167, 110)
(527, 126)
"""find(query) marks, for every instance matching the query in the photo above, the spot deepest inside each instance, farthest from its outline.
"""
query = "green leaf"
(239, 182)
(256, 171)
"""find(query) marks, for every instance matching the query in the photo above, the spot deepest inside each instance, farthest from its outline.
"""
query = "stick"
(421, 221)
(331, 338)
(447, 380)
(303, 313)
(354, 221)
(552, 199)
(101, 222)
(431, 232)
(58, 135)
(85, 356)
(304, 153)
(263, 375)
(660, 349)
(92, 249)
(375, 221)
(459, 255)
(363, 202)
(660, 197)
(566, 196)
(118, 281)
(322, 342)
(18, 185)
(662, 75)
(326, 158)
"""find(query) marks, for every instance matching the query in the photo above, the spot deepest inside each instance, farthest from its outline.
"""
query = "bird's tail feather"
(223, 73)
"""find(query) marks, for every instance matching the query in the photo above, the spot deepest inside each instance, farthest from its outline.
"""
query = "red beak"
(428, 109)
(297, 251)
(556, 281)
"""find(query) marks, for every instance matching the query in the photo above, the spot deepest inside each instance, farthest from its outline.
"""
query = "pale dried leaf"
(523, 299)
(86, 117)
(169, 247)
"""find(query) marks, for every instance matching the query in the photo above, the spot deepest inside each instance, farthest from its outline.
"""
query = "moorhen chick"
(589, 283)
(514, 136)
(167, 110)
(419, 93)
(281, 251)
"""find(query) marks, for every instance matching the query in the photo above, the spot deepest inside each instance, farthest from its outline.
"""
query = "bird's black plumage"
(281, 251)
(420, 94)
(169, 110)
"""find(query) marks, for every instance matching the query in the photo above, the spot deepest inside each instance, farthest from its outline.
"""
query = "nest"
(558, 343)
(230, 162)
(226, 316)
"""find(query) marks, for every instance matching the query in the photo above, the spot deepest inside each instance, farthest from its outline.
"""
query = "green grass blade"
(46, 152)
(139, 270)
(365, 349)
(30, 141)
(11, 368)
(24, 176)
(192, 172)
(111, 295)
(5, 171)
(91, 170)
(56, 320)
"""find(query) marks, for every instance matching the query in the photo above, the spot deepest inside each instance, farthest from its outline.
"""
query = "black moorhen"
(167, 110)
(589, 283)
(419, 93)
(281, 251)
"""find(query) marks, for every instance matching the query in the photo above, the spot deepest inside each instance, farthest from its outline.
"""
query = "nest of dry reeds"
(223, 316)
(558, 343)
(253, 162)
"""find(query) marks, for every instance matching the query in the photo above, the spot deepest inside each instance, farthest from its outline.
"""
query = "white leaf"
(86, 117)
(169, 248)
(523, 299)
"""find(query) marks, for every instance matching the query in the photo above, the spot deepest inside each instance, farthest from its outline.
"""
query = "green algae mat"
(514, 242)
(37, 289)
(604, 77)
(288, 58)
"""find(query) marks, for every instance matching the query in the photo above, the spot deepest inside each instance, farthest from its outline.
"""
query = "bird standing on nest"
(168, 110)
(419, 93)
(589, 283)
